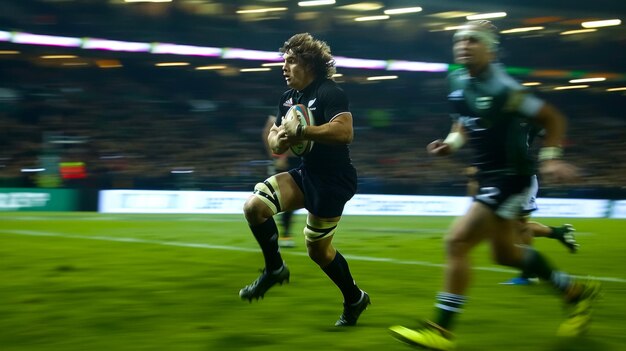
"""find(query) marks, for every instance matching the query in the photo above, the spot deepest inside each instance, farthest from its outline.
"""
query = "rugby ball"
(305, 116)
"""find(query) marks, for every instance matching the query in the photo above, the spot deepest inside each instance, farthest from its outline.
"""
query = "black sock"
(448, 306)
(266, 235)
(339, 273)
(534, 262)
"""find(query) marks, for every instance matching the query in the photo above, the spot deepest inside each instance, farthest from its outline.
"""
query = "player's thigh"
(472, 228)
(291, 197)
(525, 232)
(507, 197)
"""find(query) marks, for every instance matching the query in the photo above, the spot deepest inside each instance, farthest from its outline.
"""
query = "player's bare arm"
(552, 167)
(554, 123)
(271, 121)
(338, 131)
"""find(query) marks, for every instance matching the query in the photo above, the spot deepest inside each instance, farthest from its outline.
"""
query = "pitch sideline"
(244, 249)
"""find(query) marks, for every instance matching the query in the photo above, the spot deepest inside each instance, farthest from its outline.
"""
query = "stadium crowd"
(153, 128)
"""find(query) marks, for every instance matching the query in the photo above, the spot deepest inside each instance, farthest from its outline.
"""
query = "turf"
(89, 281)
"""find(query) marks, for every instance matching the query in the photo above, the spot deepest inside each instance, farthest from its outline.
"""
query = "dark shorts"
(292, 162)
(505, 195)
(325, 193)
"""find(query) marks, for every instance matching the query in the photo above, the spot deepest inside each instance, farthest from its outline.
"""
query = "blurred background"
(121, 94)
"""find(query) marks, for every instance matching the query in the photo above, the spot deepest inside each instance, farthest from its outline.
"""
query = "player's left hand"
(291, 126)
(438, 148)
(558, 171)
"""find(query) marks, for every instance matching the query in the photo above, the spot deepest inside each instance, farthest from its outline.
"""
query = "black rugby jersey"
(326, 100)
(496, 112)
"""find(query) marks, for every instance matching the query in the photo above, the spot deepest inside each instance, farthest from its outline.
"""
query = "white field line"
(244, 249)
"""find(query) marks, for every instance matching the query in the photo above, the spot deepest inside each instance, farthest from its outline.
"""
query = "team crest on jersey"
(456, 95)
(288, 103)
(310, 104)
(483, 102)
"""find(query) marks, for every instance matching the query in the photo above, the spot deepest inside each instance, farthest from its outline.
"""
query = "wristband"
(454, 141)
(550, 153)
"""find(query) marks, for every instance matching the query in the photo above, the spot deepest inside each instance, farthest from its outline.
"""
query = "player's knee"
(456, 246)
(321, 255)
(266, 199)
(255, 210)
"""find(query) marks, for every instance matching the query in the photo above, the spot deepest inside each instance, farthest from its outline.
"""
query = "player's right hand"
(558, 171)
(438, 148)
(282, 142)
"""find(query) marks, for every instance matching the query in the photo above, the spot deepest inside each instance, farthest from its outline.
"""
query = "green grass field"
(89, 281)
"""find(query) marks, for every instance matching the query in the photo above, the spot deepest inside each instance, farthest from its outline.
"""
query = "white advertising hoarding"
(229, 202)
(618, 209)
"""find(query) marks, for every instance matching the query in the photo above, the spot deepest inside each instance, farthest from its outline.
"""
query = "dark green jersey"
(496, 113)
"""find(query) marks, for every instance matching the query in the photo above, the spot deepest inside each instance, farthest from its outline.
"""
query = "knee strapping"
(317, 229)
(269, 193)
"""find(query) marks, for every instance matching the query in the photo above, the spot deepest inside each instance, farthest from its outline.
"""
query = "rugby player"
(322, 184)
(494, 114)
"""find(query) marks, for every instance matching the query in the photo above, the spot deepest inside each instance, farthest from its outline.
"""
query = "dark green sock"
(534, 263)
(447, 307)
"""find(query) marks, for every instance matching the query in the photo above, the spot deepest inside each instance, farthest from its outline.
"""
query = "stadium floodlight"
(347, 62)
(372, 18)
(189, 50)
(316, 3)
(5, 36)
(603, 23)
(567, 87)
(243, 54)
(482, 16)
(402, 11)
(579, 31)
(52, 40)
(57, 57)
(382, 77)
(262, 10)
(258, 69)
(414, 66)
(588, 80)
(520, 30)
(32, 170)
(115, 45)
(172, 64)
(617, 89)
(131, 1)
(210, 68)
